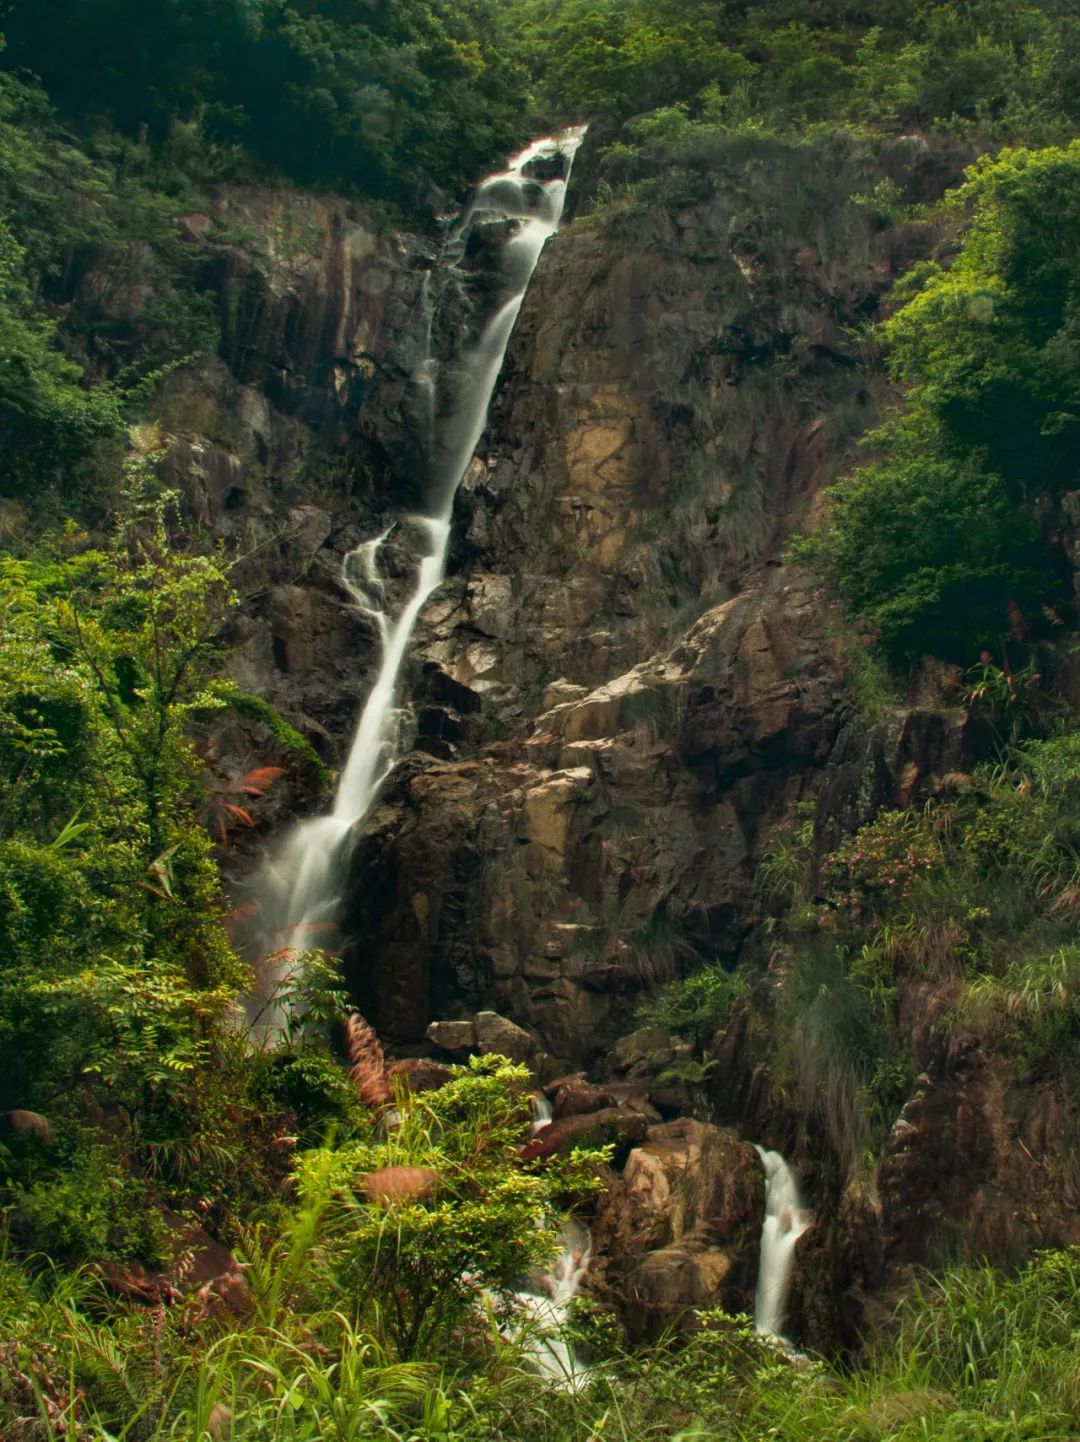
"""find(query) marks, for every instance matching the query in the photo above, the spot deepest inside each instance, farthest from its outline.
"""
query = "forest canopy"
(381, 98)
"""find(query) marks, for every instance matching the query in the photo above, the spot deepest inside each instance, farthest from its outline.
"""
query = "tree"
(936, 541)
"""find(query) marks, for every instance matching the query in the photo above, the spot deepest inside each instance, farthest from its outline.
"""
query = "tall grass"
(973, 1355)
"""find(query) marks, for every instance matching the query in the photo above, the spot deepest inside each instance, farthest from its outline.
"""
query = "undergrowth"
(973, 1355)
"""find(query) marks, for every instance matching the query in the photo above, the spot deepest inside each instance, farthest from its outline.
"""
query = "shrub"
(696, 1007)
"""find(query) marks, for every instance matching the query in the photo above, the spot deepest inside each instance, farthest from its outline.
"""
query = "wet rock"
(611, 1126)
(545, 167)
(577, 1097)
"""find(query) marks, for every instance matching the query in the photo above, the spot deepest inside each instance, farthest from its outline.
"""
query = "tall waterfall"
(299, 890)
(785, 1221)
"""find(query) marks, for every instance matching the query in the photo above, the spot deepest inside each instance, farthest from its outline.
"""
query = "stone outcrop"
(620, 837)
(679, 1229)
(622, 692)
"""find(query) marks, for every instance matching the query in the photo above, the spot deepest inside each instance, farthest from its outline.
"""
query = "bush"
(460, 1217)
(942, 546)
(696, 1007)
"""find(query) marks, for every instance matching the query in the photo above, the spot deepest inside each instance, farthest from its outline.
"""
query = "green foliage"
(838, 1058)
(942, 545)
(254, 708)
(1005, 69)
(378, 98)
(696, 1007)
(48, 422)
(785, 872)
(116, 977)
(886, 859)
(978, 891)
(72, 365)
(424, 1262)
(975, 1355)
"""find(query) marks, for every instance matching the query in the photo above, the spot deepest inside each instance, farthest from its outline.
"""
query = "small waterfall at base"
(299, 889)
(785, 1221)
(544, 1310)
(543, 1112)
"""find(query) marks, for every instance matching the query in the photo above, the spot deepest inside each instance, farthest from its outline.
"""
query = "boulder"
(453, 1036)
(196, 1265)
(420, 1074)
(26, 1125)
(576, 1097)
(649, 1049)
(614, 1126)
(681, 1228)
(496, 1036)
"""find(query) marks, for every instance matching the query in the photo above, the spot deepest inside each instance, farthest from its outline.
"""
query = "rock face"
(624, 839)
(977, 1159)
(623, 690)
(679, 1229)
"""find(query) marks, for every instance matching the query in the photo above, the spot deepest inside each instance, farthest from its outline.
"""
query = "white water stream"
(544, 1309)
(786, 1219)
(299, 890)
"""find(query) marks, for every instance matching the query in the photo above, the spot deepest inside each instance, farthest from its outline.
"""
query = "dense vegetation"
(378, 1260)
(947, 542)
(1000, 68)
(976, 1356)
(383, 98)
(972, 896)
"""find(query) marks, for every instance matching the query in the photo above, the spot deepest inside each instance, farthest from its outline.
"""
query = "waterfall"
(542, 1112)
(299, 889)
(785, 1221)
(544, 1309)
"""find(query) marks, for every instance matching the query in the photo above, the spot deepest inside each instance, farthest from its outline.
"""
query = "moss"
(254, 708)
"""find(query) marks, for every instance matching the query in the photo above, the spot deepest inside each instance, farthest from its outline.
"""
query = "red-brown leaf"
(367, 1064)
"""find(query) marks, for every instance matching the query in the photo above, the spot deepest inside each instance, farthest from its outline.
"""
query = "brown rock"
(196, 1264)
(615, 1126)
(642, 1052)
(577, 1097)
(420, 1074)
(453, 1036)
(24, 1125)
(496, 1036)
(681, 1228)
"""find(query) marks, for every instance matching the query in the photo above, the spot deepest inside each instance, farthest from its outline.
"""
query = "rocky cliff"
(623, 692)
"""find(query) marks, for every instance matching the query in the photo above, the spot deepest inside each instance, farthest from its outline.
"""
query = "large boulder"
(680, 1229)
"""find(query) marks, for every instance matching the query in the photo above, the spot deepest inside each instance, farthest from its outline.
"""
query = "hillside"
(538, 688)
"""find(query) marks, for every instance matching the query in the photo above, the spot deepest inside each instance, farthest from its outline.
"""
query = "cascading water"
(785, 1221)
(300, 886)
(545, 1309)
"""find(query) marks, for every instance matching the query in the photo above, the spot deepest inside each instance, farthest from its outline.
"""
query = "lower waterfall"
(786, 1219)
(298, 891)
(544, 1310)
